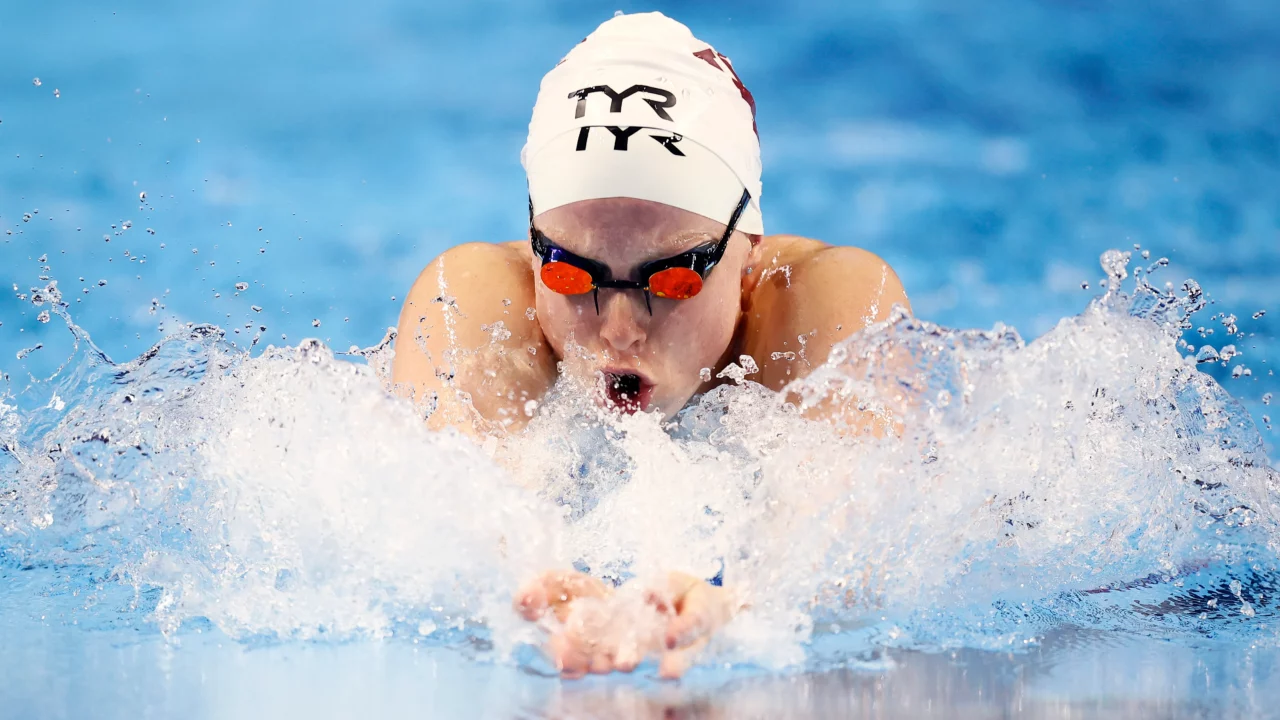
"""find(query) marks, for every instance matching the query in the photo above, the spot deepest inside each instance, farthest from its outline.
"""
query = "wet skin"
(483, 339)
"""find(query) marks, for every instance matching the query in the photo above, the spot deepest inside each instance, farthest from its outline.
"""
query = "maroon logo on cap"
(713, 59)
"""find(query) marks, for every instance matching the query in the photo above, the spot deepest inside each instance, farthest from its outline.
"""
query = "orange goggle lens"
(566, 279)
(675, 283)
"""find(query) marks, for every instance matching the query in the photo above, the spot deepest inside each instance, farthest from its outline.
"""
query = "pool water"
(204, 512)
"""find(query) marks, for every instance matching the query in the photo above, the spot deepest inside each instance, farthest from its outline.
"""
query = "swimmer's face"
(666, 350)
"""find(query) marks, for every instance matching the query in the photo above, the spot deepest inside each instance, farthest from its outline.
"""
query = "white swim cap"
(643, 109)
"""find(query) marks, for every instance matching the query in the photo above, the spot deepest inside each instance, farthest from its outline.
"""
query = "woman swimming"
(646, 264)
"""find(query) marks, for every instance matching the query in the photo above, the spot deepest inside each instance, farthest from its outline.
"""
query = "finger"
(601, 663)
(675, 663)
(703, 610)
(531, 601)
(555, 590)
(658, 601)
(625, 661)
(568, 656)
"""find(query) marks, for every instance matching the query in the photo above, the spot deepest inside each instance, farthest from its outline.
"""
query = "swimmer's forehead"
(608, 230)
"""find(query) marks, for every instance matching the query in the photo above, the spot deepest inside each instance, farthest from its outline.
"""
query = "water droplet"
(1206, 354)
(152, 232)
(242, 286)
(1227, 352)
(36, 82)
(1258, 315)
(1246, 609)
(426, 627)
(530, 313)
(255, 308)
(57, 93)
(43, 316)
(529, 407)
(22, 354)
(315, 323)
(748, 364)
(126, 224)
(102, 283)
(26, 217)
(1116, 265)
(1084, 285)
(142, 196)
(1266, 399)
(705, 374)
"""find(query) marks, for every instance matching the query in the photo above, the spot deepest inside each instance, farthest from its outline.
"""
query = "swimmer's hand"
(674, 622)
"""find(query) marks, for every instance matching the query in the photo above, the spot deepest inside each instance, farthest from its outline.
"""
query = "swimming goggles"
(675, 278)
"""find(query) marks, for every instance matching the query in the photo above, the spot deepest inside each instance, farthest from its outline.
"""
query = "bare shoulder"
(780, 257)
(473, 268)
(806, 295)
(466, 334)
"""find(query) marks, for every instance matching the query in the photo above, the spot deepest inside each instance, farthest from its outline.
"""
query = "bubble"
(142, 196)
(242, 286)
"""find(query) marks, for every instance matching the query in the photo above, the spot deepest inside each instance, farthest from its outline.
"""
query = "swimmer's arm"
(449, 348)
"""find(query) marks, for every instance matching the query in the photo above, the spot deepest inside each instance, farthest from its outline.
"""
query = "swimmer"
(646, 261)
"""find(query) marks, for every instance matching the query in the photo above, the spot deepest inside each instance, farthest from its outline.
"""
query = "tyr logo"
(615, 99)
(621, 136)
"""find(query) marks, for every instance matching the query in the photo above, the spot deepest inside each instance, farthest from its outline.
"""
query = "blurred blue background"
(324, 152)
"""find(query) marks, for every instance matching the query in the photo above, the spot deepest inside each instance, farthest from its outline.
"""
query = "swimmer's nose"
(621, 315)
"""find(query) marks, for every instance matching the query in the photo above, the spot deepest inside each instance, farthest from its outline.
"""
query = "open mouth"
(626, 391)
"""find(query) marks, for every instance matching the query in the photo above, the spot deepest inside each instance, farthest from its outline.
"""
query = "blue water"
(323, 153)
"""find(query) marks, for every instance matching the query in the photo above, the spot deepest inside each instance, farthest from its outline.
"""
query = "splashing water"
(1093, 478)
